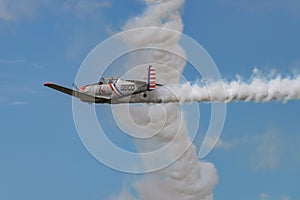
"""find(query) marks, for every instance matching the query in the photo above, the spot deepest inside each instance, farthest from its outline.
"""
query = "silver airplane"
(114, 90)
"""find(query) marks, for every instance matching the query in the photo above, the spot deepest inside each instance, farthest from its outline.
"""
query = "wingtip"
(47, 84)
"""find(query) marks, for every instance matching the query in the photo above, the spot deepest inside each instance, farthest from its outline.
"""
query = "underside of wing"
(82, 96)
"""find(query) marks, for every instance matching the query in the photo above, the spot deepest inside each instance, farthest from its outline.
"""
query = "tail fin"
(151, 79)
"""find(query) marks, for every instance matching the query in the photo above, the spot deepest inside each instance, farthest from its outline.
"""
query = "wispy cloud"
(21, 89)
(5, 14)
(270, 150)
(229, 145)
(83, 8)
(83, 39)
(18, 103)
(13, 61)
(13, 10)
(289, 7)
(14, 95)
(221, 144)
(264, 196)
(110, 30)
(86, 14)
(124, 195)
(285, 197)
(295, 67)
(20, 63)
(17, 10)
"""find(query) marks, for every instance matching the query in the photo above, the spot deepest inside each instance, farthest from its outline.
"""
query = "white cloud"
(88, 13)
(264, 196)
(124, 195)
(13, 10)
(2, 99)
(221, 144)
(4, 13)
(110, 30)
(285, 197)
(270, 150)
(85, 33)
(295, 67)
(83, 8)
(289, 7)
(232, 144)
(8, 61)
(82, 41)
(18, 103)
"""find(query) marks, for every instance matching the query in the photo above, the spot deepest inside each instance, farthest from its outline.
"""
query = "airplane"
(114, 90)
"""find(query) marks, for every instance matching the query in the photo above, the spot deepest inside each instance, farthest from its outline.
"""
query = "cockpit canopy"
(108, 80)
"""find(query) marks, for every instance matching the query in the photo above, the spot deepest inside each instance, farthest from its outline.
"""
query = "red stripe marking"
(111, 86)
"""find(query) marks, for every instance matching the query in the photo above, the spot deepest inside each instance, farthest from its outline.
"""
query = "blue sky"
(41, 153)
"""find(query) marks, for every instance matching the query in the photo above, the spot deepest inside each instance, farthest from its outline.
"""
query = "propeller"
(73, 84)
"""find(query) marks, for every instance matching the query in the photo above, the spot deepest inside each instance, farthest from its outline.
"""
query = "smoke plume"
(258, 89)
(187, 178)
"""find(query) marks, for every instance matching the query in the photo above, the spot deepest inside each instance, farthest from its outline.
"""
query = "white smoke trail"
(258, 89)
(187, 178)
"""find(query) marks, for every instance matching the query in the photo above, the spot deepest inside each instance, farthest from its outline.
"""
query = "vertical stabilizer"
(151, 79)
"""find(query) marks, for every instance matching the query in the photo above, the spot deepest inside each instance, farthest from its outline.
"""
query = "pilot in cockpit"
(101, 81)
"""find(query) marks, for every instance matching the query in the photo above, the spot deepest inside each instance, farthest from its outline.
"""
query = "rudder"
(151, 78)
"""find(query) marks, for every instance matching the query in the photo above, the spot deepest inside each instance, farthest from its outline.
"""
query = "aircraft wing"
(82, 96)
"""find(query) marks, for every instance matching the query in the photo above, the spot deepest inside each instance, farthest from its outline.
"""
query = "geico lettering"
(127, 87)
